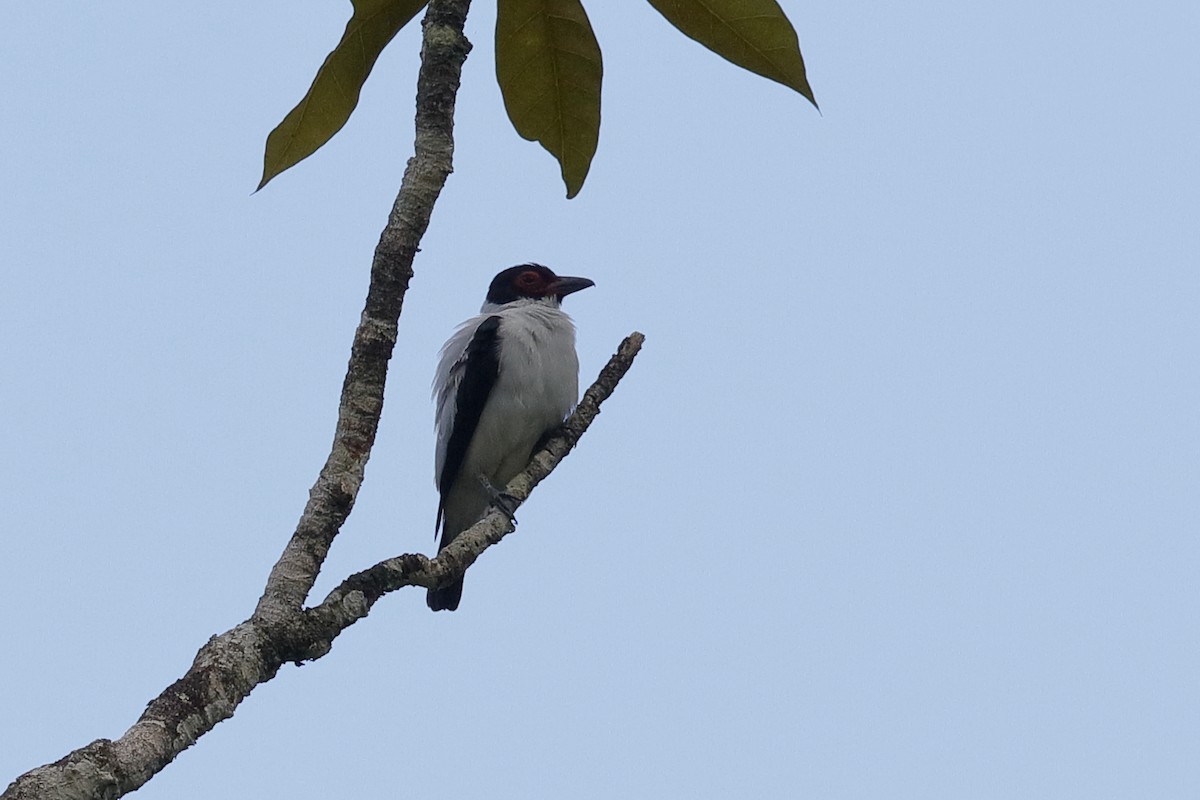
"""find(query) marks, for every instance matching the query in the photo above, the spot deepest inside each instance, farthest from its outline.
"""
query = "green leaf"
(549, 68)
(754, 34)
(334, 92)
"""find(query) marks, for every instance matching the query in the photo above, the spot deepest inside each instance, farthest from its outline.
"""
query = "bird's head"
(534, 282)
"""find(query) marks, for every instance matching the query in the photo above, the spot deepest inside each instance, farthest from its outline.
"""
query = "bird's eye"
(528, 279)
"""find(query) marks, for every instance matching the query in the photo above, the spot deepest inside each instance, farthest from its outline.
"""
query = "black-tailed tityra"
(505, 379)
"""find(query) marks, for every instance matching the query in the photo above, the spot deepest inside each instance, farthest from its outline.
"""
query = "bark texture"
(281, 630)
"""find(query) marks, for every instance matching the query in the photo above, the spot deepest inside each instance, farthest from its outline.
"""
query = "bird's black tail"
(445, 598)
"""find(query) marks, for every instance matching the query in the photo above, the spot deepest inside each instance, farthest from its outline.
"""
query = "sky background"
(901, 500)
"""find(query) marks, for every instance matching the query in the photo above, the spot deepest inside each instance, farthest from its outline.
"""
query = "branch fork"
(281, 629)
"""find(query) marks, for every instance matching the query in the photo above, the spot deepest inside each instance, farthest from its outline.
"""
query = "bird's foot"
(508, 504)
(502, 500)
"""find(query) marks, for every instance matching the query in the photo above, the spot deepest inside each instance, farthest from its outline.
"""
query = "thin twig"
(352, 600)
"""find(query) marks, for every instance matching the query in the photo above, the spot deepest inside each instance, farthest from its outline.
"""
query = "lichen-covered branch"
(281, 630)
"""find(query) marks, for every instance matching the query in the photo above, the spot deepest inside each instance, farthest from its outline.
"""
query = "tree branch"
(229, 666)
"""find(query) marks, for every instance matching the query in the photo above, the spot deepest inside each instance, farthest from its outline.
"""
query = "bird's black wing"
(481, 366)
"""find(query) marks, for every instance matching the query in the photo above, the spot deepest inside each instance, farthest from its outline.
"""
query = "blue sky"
(901, 499)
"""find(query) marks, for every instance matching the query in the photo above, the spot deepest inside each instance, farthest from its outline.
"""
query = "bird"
(505, 380)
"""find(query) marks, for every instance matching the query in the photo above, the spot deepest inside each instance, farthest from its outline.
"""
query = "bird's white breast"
(537, 386)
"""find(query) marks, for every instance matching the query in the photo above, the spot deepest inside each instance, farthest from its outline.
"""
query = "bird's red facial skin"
(531, 284)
